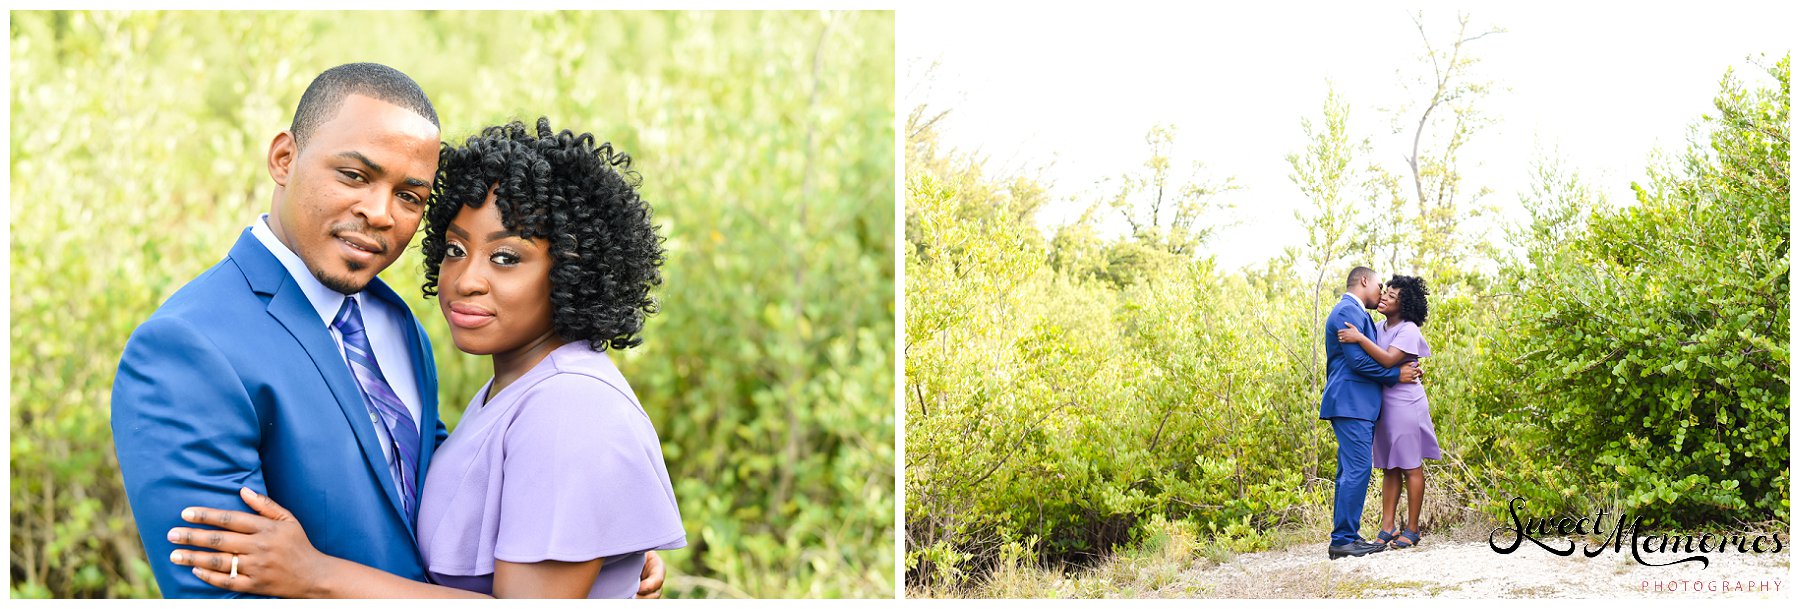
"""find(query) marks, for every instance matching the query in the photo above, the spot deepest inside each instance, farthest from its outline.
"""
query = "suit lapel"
(424, 374)
(425, 367)
(289, 306)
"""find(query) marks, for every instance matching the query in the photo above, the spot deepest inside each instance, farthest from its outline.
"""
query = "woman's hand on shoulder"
(1349, 334)
(272, 554)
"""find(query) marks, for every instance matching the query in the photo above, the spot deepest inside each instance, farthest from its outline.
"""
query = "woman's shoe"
(1384, 536)
(1406, 539)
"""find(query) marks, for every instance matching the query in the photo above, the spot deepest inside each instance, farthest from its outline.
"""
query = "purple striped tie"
(382, 402)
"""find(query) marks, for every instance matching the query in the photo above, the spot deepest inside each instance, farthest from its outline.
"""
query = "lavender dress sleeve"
(1408, 338)
(584, 477)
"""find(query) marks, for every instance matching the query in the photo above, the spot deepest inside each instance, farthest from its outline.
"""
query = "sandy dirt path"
(1471, 569)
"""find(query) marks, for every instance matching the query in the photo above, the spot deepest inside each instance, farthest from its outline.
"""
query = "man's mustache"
(361, 230)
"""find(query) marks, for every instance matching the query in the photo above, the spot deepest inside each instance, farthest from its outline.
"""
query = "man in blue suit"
(288, 367)
(1352, 402)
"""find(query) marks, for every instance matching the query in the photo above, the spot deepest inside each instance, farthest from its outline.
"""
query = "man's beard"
(342, 285)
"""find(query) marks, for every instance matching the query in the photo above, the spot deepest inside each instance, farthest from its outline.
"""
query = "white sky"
(1066, 93)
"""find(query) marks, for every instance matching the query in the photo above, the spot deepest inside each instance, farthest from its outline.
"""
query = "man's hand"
(1410, 372)
(650, 582)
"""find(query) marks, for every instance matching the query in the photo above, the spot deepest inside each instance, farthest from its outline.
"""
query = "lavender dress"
(561, 465)
(1404, 437)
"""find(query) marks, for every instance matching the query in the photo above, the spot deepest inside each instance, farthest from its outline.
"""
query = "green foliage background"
(1068, 395)
(766, 144)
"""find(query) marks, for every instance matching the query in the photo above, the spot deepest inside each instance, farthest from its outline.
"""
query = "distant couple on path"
(1377, 407)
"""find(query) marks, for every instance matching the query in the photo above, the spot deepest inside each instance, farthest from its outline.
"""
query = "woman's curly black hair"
(579, 198)
(1412, 298)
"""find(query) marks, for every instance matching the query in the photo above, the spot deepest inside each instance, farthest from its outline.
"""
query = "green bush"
(1052, 410)
(765, 141)
(1656, 342)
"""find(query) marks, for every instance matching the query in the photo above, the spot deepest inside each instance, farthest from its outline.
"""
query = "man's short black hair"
(1356, 276)
(327, 92)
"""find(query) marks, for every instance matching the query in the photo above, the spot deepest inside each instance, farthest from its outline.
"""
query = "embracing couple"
(1377, 408)
(289, 379)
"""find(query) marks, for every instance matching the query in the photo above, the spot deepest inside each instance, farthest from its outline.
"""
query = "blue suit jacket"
(1351, 376)
(234, 382)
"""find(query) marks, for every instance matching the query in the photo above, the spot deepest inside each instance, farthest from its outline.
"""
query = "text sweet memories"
(1647, 548)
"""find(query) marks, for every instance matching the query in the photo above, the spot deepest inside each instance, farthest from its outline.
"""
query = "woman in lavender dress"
(1404, 437)
(541, 256)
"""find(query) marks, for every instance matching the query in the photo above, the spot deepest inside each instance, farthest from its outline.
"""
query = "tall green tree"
(1163, 206)
(1326, 173)
(1443, 119)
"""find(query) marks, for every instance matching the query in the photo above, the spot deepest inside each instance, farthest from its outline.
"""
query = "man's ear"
(282, 154)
